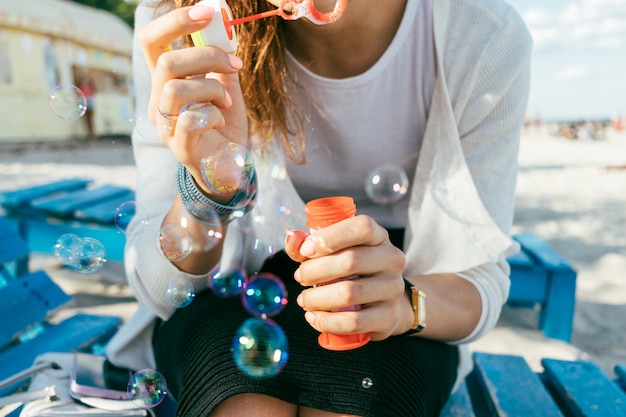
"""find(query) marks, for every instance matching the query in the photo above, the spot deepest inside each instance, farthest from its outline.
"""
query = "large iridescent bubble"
(229, 169)
(260, 348)
(175, 242)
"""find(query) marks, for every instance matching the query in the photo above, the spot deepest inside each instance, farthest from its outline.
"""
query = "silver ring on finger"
(169, 118)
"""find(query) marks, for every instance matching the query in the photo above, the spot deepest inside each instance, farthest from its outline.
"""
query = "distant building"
(48, 43)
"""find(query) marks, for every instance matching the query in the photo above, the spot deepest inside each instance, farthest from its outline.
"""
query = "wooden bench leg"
(557, 315)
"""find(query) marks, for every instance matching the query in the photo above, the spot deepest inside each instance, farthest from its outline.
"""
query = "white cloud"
(573, 72)
(582, 24)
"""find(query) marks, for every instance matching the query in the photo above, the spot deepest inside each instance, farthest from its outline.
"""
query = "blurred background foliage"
(125, 9)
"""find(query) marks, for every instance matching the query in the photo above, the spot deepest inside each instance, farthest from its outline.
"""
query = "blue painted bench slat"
(104, 212)
(26, 302)
(65, 206)
(24, 196)
(505, 386)
(13, 253)
(511, 388)
(459, 404)
(583, 389)
(76, 333)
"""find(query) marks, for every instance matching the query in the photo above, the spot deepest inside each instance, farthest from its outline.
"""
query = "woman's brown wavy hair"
(264, 74)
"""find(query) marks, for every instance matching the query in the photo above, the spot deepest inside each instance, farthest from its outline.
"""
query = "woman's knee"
(255, 405)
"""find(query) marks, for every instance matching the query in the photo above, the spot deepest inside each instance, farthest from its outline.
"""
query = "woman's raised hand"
(196, 100)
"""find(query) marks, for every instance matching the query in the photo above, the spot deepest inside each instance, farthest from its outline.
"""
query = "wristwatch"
(418, 303)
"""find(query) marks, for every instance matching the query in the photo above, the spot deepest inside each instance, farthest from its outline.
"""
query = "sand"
(572, 193)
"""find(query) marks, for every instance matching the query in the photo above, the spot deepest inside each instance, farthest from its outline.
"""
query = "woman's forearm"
(453, 306)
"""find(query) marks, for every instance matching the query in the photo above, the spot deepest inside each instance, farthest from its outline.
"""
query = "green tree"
(125, 9)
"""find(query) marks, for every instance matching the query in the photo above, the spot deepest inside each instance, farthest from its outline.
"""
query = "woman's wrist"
(209, 212)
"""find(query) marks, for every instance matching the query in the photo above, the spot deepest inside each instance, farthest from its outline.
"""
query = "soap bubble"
(66, 247)
(67, 101)
(147, 388)
(174, 242)
(194, 116)
(124, 213)
(227, 283)
(144, 126)
(229, 169)
(179, 293)
(84, 255)
(260, 348)
(386, 184)
(91, 257)
(265, 295)
(367, 383)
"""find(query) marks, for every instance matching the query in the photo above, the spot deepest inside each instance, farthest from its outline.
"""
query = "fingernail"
(307, 248)
(296, 275)
(235, 61)
(309, 317)
(229, 99)
(300, 300)
(200, 12)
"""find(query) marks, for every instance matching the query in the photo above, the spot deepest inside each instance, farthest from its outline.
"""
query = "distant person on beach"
(436, 88)
(88, 89)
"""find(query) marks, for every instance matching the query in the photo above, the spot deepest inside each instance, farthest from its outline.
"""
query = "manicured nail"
(300, 300)
(296, 275)
(309, 317)
(229, 99)
(307, 248)
(201, 12)
(235, 61)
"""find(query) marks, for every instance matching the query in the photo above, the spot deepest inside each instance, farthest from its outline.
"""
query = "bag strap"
(47, 392)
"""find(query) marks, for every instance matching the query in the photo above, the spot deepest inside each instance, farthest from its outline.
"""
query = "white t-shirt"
(371, 111)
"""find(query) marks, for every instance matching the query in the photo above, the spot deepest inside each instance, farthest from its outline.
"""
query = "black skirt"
(397, 377)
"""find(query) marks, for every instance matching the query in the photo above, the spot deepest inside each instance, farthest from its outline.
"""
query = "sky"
(579, 58)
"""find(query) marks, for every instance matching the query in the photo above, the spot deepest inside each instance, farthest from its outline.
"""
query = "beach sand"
(572, 193)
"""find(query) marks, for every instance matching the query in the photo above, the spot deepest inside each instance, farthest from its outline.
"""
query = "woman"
(438, 88)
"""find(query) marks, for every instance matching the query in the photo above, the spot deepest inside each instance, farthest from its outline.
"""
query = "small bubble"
(227, 283)
(179, 293)
(86, 255)
(194, 116)
(386, 184)
(67, 101)
(367, 383)
(147, 388)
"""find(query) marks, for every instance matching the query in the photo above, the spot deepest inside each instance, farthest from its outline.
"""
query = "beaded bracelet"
(206, 211)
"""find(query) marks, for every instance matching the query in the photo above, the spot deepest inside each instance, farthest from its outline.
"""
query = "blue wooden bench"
(504, 385)
(540, 276)
(29, 301)
(44, 212)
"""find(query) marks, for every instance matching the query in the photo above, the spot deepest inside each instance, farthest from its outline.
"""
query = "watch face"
(418, 303)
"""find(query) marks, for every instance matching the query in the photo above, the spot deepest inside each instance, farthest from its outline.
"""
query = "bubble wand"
(220, 31)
